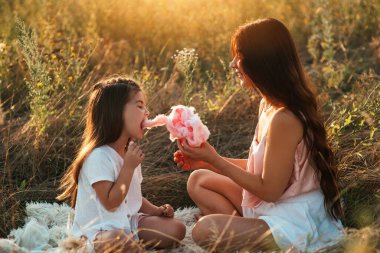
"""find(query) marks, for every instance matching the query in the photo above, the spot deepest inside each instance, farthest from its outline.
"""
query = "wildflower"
(53, 56)
(187, 59)
(156, 77)
(40, 84)
(2, 47)
(70, 78)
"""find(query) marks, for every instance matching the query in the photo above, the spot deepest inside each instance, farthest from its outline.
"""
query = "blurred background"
(52, 52)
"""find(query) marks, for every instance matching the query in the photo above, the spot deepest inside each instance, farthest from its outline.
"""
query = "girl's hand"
(168, 211)
(165, 210)
(187, 163)
(133, 157)
(205, 152)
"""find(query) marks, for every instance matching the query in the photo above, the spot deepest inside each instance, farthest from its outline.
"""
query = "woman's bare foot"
(198, 216)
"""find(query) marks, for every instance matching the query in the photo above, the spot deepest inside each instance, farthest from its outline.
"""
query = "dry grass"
(78, 42)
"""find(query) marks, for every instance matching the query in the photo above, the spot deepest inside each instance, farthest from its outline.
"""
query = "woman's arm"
(284, 134)
(187, 163)
(241, 163)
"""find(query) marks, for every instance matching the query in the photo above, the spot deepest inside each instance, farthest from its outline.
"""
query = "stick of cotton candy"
(182, 123)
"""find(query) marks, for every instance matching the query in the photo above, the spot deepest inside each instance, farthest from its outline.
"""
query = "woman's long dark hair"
(270, 59)
(104, 124)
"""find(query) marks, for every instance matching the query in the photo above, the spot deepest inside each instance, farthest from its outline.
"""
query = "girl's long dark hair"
(270, 59)
(104, 124)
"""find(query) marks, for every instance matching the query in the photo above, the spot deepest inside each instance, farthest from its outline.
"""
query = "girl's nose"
(147, 112)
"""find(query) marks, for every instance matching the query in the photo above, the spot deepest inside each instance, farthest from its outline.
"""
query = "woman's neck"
(269, 105)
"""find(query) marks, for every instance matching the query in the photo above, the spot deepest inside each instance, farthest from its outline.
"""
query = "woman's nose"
(233, 63)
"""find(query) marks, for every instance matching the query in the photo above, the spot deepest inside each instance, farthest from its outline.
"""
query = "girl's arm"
(284, 134)
(149, 208)
(112, 194)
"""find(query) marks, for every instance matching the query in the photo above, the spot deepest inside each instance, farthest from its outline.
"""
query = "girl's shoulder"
(99, 165)
(102, 153)
(99, 151)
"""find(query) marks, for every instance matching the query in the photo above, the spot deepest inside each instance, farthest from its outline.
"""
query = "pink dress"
(298, 220)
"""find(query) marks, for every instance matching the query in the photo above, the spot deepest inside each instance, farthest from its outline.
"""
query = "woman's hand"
(187, 163)
(205, 152)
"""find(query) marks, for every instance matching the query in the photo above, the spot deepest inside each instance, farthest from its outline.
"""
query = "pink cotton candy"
(182, 123)
(159, 120)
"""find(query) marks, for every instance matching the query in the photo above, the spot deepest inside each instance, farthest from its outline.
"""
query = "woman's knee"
(195, 180)
(202, 231)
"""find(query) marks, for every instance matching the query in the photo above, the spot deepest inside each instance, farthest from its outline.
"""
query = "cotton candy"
(182, 123)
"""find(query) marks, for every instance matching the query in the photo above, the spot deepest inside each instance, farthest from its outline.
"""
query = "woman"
(285, 195)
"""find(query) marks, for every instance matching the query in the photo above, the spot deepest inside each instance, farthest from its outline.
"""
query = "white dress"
(298, 220)
(300, 223)
(91, 217)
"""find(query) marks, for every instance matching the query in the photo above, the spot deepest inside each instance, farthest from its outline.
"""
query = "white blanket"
(47, 226)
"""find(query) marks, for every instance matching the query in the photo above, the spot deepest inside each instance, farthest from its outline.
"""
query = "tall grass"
(51, 52)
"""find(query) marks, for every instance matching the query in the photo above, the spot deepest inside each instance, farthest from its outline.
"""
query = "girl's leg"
(116, 241)
(226, 233)
(214, 193)
(161, 232)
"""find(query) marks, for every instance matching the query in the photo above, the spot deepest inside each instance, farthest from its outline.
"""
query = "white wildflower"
(2, 47)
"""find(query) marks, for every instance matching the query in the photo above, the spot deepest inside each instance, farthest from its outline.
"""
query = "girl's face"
(236, 65)
(133, 116)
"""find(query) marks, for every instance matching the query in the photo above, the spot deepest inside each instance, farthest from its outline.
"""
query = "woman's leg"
(161, 232)
(214, 193)
(116, 241)
(226, 233)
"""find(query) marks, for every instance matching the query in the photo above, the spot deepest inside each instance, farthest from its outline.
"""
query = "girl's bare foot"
(198, 216)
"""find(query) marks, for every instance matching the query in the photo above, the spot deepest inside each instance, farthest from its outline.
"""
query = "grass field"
(51, 52)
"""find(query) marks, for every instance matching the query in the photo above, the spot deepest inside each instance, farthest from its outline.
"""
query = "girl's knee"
(117, 240)
(178, 230)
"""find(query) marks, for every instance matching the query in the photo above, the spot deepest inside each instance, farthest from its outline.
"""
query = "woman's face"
(133, 116)
(236, 65)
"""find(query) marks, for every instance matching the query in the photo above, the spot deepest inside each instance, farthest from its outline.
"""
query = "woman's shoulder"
(285, 122)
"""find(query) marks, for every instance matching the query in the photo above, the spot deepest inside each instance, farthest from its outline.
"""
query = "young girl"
(285, 195)
(104, 181)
